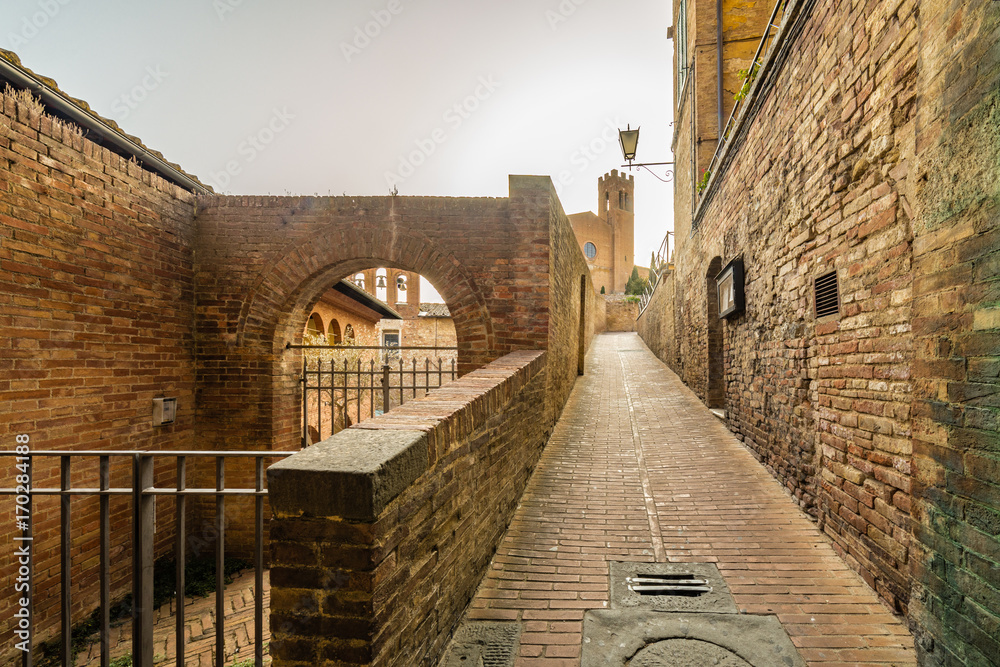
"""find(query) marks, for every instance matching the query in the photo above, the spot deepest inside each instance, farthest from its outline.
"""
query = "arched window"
(359, 280)
(401, 288)
(315, 325)
(348, 334)
(381, 285)
(333, 335)
(590, 250)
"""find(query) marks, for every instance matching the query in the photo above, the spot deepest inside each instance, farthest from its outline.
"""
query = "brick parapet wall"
(96, 319)
(572, 304)
(382, 578)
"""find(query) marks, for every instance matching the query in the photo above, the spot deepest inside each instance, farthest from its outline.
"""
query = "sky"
(430, 97)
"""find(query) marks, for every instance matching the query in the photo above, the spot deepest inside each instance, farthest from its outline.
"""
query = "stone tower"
(607, 237)
(616, 207)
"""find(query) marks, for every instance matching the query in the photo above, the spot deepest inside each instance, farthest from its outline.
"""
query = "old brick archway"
(262, 262)
(287, 292)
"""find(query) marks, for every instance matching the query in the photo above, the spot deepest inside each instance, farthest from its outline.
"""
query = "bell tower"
(617, 208)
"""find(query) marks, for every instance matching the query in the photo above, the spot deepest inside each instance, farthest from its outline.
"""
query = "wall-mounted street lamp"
(629, 141)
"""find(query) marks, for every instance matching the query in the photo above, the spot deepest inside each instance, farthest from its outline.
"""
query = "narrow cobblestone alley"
(638, 469)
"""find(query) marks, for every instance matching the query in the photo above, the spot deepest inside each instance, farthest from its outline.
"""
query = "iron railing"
(754, 72)
(143, 493)
(660, 266)
(335, 390)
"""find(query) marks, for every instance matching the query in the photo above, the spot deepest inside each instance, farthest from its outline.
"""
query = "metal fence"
(339, 392)
(143, 494)
(661, 265)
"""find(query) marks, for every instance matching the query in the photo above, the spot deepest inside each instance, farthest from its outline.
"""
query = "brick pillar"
(332, 548)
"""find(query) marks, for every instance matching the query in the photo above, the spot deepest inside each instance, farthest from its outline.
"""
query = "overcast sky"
(433, 97)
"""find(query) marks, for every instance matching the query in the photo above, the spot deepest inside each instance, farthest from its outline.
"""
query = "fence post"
(143, 526)
(385, 388)
(305, 403)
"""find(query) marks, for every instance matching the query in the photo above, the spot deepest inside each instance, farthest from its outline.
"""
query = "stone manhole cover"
(644, 638)
(483, 644)
(686, 653)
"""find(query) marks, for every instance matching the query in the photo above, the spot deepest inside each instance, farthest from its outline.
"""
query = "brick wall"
(572, 309)
(956, 331)
(96, 319)
(881, 167)
(509, 270)
(430, 332)
(620, 314)
(337, 311)
(825, 405)
(380, 572)
(656, 325)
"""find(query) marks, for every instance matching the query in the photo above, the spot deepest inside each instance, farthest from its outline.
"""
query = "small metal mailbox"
(164, 411)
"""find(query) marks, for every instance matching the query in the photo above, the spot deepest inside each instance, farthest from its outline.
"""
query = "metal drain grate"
(483, 644)
(691, 587)
(683, 583)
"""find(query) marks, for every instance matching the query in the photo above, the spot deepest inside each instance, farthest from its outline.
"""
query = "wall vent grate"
(827, 295)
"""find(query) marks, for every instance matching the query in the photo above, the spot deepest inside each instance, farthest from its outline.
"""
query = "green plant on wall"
(703, 183)
(747, 77)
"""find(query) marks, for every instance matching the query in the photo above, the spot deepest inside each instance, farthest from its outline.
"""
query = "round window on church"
(590, 250)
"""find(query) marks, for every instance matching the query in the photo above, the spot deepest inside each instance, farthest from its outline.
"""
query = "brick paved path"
(638, 469)
(199, 616)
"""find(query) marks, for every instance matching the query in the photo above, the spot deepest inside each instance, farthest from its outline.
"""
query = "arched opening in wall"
(333, 335)
(715, 396)
(314, 327)
(381, 285)
(318, 392)
(401, 296)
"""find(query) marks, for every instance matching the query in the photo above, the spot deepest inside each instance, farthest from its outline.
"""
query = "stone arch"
(715, 389)
(275, 312)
